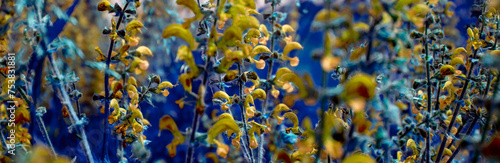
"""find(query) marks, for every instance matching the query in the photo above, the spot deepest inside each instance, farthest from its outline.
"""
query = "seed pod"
(155, 79)
(252, 75)
(243, 78)
(416, 35)
(106, 31)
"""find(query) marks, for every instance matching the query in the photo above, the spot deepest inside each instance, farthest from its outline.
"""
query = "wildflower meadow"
(347, 81)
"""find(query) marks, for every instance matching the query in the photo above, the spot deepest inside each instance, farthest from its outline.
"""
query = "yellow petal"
(259, 94)
(470, 33)
(166, 122)
(178, 31)
(143, 50)
(104, 5)
(459, 50)
(324, 14)
(291, 46)
(261, 64)
(447, 70)
(222, 94)
(225, 123)
(359, 158)
(263, 29)
(360, 85)
(186, 82)
(260, 49)
(165, 84)
(287, 28)
(134, 25)
(295, 120)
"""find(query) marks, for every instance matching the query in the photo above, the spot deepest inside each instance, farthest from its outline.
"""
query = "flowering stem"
(469, 130)
(457, 104)
(106, 88)
(429, 94)
(243, 116)
(268, 87)
(457, 108)
(472, 124)
(196, 119)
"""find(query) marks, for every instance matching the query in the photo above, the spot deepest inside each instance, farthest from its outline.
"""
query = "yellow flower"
(104, 5)
(178, 31)
(473, 39)
(166, 122)
(288, 48)
(224, 95)
(225, 123)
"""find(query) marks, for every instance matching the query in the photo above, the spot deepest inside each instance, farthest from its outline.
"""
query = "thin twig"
(107, 89)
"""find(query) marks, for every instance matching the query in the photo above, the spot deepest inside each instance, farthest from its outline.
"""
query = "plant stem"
(496, 35)
(77, 102)
(488, 120)
(197, 116)
(243, 116)
(45, 134)
(429, 94)
(319, 138)
(469, 130)
(371, 34)
(268, 88)
(76, 122)
(196, 119)
(459, 130)
(107, 89)
(456, 110)
(457, 105)
(144, 93)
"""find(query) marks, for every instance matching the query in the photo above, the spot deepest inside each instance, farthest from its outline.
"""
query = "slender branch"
(268, 88)
(144, 93)
(45, 133)
(429, 94)
(319, 138)
(457, 104)
(243, 116)
(77, 102)
(76, 122)
(107, 89)
(196, 119)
